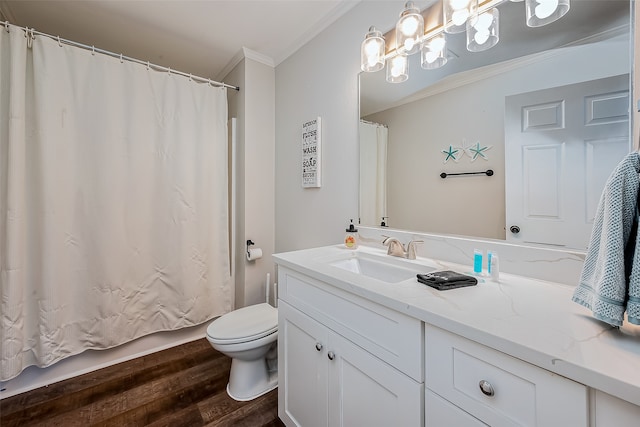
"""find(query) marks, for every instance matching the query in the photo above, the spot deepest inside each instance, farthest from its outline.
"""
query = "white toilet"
(249, 336)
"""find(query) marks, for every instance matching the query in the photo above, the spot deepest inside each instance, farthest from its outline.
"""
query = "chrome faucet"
(396, 248)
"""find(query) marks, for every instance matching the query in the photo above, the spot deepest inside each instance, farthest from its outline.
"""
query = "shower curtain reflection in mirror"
(373, 172)
(113, 202)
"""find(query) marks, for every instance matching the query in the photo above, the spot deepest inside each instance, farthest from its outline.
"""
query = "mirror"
(462, 104)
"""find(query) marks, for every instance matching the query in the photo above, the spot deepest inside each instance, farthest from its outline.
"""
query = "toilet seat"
(243, 325)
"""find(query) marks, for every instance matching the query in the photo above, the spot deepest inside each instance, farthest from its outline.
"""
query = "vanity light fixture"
(482, 30)
(409, 29)
(397, 69)
(480, 18)
(543, 12)
(456, 13)
(372, 51)
(433, 52)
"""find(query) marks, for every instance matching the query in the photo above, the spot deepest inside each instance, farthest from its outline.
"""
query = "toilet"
(249, 336)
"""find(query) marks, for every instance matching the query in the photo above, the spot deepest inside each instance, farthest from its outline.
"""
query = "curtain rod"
(30, 32)
(373, 123)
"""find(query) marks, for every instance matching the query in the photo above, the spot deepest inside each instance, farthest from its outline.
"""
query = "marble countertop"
(530, 319)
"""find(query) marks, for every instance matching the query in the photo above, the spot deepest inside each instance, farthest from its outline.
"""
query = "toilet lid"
(244, 324)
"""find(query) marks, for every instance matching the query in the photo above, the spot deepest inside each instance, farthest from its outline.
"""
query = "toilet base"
(252, 380)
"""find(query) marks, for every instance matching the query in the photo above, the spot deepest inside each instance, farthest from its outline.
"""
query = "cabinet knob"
(331, 355)
(318, 346)
(514, 229)
(486, 388)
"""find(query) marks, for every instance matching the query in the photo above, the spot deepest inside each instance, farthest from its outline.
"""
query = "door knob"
(514, 229)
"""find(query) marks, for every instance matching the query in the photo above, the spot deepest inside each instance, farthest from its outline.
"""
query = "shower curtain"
(113, 201)
(373, 172)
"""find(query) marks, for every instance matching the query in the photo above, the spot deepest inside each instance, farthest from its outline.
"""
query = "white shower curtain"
(373, 172)
(113, 202)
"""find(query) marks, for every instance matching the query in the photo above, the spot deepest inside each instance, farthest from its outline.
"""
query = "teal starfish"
(478, 151)
(451, 154)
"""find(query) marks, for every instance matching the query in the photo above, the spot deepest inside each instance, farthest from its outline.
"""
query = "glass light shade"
(483, 30)
(409, 29)
(372, 51)
(433, 53)
(397, 69)
(543, 12)
(456, 13)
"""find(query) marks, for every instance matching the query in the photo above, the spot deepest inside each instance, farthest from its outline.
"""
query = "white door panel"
(561, 145)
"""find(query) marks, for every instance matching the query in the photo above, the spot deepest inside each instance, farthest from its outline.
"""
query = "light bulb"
(409, 26)
(546, 8)
(437, 44)
(396, 66)
(408, 44)
(431, 56)
(481, 36)
(372, 47)
(483, 22)
(459, 4)
(459, 16)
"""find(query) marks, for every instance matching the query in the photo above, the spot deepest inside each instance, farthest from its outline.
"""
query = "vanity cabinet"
(345, 361)
(495, 388)
(609, 410)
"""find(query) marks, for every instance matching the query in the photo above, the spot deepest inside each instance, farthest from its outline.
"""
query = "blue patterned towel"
(610, 280)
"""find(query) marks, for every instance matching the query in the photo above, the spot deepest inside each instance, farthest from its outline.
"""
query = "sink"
(380, 268)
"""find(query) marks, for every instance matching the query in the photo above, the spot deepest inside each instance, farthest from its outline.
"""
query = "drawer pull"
(331, 355)
(319, 346)
(486, 388)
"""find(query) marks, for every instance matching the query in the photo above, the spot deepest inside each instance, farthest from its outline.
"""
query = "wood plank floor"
(181, 386)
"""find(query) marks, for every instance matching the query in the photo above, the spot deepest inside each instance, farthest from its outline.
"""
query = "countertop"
(530, 319)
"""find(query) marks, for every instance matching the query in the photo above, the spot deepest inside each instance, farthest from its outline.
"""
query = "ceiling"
(201, 37)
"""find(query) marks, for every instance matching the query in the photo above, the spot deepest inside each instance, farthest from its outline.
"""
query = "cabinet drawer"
(515, 393)
(391, 336)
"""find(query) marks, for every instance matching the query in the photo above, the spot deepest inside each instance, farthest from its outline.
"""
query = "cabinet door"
(611, 411)
(365, 391)
(302, 369)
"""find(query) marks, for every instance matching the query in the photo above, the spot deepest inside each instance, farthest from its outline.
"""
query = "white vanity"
(354, 350)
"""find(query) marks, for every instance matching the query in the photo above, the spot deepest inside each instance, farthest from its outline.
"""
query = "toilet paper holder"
(253, 254)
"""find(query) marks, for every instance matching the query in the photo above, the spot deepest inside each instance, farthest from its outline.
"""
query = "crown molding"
(334, 14)
(244, 53)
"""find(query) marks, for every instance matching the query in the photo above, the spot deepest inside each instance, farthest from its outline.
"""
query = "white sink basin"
(387, 270)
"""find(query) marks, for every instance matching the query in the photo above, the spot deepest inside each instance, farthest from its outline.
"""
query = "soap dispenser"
(351, 239)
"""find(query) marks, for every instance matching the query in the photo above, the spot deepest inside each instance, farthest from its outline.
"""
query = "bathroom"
(318, 80)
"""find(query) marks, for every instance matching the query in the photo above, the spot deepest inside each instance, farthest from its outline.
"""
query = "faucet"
(411, 248)
(396, 248)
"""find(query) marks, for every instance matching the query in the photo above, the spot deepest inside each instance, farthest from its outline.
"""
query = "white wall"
(254, 107)
(321, 79)
(418, 199)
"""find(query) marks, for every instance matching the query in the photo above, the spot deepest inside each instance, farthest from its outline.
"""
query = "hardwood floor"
(181, 386)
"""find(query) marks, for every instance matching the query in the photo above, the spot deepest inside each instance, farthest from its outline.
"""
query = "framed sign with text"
(311, 153)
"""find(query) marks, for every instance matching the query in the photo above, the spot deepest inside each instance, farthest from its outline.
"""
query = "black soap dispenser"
(351, 238)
